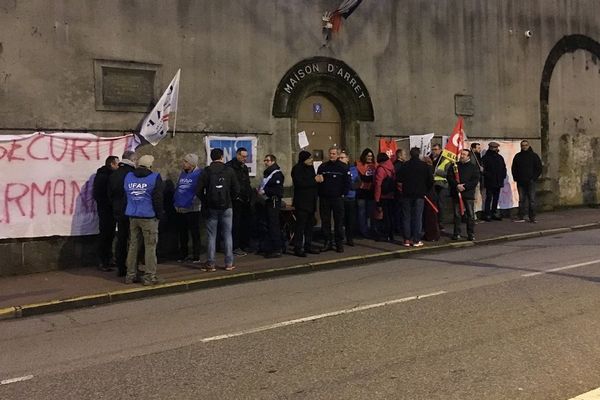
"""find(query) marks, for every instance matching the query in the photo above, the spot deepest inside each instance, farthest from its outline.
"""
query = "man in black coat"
(416, 181)
(334, 181)
(468, 174)
(305, 203)
(242, 215)
(271, 189)
(118, 199)
(106, 220)
(526, 169)
(494, 173)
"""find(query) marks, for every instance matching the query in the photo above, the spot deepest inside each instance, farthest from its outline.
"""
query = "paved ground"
(486, 326)
(18, 291)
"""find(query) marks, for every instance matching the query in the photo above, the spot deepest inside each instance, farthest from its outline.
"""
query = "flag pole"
(176, 102)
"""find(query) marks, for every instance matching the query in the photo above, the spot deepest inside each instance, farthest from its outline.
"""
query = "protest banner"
(423, 142)
(229, 145)
(46, 182)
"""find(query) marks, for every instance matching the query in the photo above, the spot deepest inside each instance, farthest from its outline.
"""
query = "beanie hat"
(303, 156)
(192, 159)
(146, 161)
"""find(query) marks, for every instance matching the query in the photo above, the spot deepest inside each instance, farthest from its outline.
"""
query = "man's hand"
(319, 178)
(460, 187)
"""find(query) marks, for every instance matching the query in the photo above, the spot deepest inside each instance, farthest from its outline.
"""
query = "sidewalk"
(80, 287)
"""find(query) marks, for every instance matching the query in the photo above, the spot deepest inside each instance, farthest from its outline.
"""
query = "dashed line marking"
(14, 380)
(562, 268)
(592, 395)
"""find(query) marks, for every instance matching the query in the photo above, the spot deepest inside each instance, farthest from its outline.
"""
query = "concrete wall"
(412, 55)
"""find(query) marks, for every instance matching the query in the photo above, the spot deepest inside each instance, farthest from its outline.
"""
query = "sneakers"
(471, 238)
(239, 252)
(455, 237)
(229, 268)
(407, 243)
(418, 244)
(208, 267)
(150, 280)
(532, 220)
(519, 220)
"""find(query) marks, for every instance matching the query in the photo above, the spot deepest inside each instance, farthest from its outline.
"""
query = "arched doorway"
(321, 121)
(570, 135)
(338, 89)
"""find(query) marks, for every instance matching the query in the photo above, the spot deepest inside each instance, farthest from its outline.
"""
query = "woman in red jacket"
(384, 194)
(364, 193)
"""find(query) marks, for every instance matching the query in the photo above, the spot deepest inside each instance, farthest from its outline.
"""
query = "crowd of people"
(374, 197)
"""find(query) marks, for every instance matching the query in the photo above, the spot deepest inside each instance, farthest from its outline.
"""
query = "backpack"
(217, 191)
(388, 185)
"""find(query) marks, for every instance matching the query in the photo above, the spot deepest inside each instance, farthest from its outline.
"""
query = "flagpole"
(177, 102)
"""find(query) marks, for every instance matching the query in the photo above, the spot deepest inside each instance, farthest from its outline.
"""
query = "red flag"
(456, 142)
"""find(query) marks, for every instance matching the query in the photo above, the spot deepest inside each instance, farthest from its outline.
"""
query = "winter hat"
(192, 159)
(146, 161)
(303, 156)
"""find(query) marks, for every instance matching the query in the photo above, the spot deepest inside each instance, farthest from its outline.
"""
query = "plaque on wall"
(125, 86)
(464, 105)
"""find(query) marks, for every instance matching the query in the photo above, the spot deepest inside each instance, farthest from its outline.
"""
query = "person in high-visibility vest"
(440, 166)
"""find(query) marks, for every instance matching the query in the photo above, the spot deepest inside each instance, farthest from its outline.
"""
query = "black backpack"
(217, 191)
(388, 185)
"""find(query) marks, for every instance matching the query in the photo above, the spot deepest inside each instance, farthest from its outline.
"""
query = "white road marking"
(592, 395)
(562, 268)
(319, 316)
(13, 380)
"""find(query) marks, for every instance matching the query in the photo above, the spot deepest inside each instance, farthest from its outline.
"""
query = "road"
(474, 323)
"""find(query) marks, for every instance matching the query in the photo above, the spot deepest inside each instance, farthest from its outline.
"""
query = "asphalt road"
(474, 323)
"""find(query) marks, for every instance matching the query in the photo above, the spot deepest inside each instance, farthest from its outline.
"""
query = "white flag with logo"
(156, 124)
(423, 142)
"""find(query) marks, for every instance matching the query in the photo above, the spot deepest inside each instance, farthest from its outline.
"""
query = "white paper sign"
(423, 142)
(302, 140)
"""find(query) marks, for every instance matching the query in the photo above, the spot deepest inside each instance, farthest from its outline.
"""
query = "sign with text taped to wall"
(229, 145)
(46, 182)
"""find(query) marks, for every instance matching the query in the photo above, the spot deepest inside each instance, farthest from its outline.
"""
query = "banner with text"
(229, 145)
(46, 182)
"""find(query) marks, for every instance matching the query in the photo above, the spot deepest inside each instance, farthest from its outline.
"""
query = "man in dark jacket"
(526, 169)
(106, 220)
(116, 195)
(242, 212)
(144, 191)
(494, 173)
(271, 189)
(305, 203)
(334, 181)
(468, 175)
(216, 189)
(416, 180)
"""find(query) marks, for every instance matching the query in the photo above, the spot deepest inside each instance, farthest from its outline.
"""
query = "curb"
(206, 283)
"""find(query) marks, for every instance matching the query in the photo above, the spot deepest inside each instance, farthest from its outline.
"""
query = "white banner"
(423, 142)
(156, 124)
(229, 145)
(46, 182)
(509, 195)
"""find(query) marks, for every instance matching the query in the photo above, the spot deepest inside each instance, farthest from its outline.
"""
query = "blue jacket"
(143, 189)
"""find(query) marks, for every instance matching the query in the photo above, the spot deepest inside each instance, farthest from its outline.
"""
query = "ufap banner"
(46, 182)
(230, 146)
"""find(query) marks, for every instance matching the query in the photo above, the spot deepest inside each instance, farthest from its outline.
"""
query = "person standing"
(350, 200)
(216, 189)
(385, 192)
(106, 219)
(476, 160)
(118, 199)
(494, 174)
(440, 167)
(271, 189)
(305, 204)
(333, 177)
(364, 194)
(144, 191)
(526, 169)
(417, 180)
(242, 211)
(468, 178)
(187, 206)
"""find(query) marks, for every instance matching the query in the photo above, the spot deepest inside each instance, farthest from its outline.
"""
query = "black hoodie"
(274, 188)
(305, 187)
(100, 188)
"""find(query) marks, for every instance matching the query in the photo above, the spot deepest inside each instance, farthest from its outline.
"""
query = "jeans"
(149, 231)
(326, 207)
(412, 210)
(188, 224)
(492, 195)
(469, 215)
(223, 220)
(365, 210)
(526, 199)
